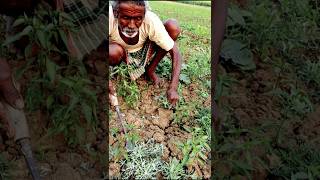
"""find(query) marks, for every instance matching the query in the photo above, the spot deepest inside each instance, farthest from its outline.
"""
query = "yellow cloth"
(152, 28)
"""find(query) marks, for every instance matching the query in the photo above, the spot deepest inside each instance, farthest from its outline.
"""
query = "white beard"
(129, 36)
(125, 31)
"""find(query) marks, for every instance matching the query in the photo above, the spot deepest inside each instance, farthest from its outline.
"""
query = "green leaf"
(184, 78)
(16, 37)
(87, 111)
(238, 53)
(80, 133)
(299, 175)
(63, 37)
(66, 16)
(51, 69)
(50, 101)
(41, 36)
(235, 17)
(67, 82)
(18, 22)
(28, 50)
(49, 27)
(19, 72)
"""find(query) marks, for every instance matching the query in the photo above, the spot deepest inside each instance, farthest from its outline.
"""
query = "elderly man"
(139, 38)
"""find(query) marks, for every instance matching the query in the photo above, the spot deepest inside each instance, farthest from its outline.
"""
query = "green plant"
(223, 85)
(194, 149)
(126, 88)
(4, 168)
(77, 96)
(199, 3)
(174, 170)
(238, 54)
(143, 161)
(164, 68)
(132, 136)
(203, 117)
(198, 66)
(295, 103)
(63, 89)
(310, 73)
(301, 162)
(117, 152)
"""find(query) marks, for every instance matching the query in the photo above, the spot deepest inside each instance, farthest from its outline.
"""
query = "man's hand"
(172, 96)
(9, 95)
(7, 89)
(4, 121)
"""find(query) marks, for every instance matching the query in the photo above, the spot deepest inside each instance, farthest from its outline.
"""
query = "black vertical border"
(216, 40)
(107, 88)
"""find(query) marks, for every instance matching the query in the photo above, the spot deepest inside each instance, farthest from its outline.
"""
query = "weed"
(4, 168)
(194, 149)
(223, 85)
(174, 170)
(310, 73)
(62, 89)
(298, 163)
(295, 103)
(164, 68)
(203, 116)
(117, 152)
(65, 116)
(126, 88)
(143, 161)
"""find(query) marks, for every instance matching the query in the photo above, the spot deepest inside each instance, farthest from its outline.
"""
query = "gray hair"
(116, 3)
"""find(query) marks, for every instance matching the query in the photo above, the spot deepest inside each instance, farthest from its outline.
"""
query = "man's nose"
(131, 24)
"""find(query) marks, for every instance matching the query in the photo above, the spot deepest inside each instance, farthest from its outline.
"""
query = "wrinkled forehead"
(131, 9)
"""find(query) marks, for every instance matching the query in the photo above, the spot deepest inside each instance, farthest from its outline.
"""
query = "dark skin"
(219, 22)
(131, 16)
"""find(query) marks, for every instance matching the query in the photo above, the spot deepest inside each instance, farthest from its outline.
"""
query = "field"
(66, 106)
(268, 92)
(168, 142)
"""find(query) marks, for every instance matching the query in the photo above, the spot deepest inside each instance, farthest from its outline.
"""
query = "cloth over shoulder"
(152, 28)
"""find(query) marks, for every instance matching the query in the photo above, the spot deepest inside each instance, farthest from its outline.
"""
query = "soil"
(153, 121)
(252, 105)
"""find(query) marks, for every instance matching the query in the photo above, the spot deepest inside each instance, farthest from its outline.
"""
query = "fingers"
(173, 97)
(11, 94)
(173, 101)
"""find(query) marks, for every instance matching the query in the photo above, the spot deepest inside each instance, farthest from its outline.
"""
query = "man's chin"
(130, 35)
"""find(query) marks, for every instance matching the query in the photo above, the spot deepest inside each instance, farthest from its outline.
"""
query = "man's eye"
(125, 17)
(138, 18)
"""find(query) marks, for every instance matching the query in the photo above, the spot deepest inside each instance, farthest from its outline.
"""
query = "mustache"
(130, 30)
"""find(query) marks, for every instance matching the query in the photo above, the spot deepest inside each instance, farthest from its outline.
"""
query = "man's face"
(130, 18)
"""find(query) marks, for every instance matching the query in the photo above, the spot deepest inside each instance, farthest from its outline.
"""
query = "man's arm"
(219, 22)
(176, 67)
